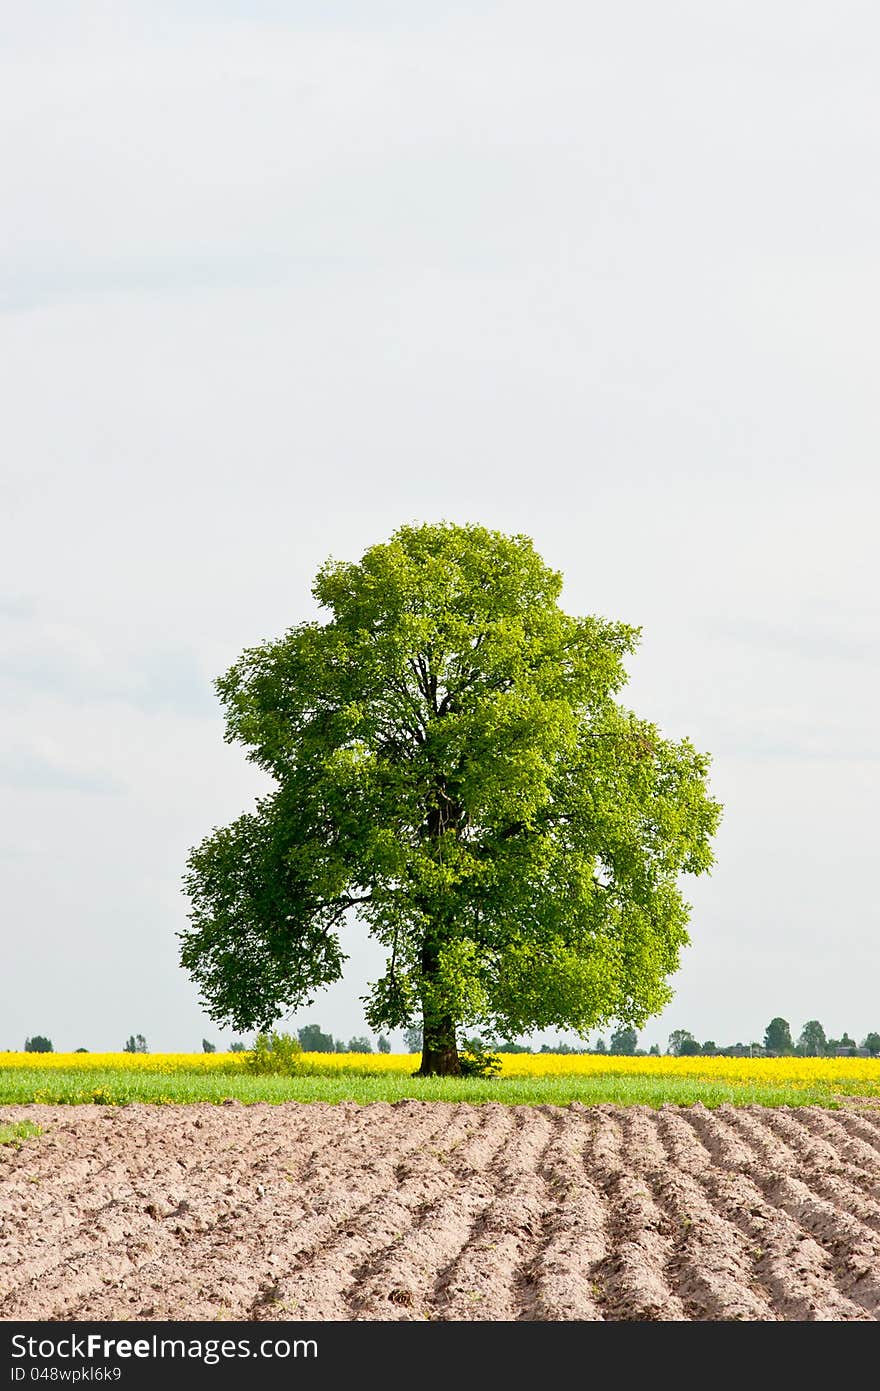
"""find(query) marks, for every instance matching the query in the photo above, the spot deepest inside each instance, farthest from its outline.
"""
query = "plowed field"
(427, 1210)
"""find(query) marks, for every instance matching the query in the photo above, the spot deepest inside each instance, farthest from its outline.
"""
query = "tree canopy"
(812, 1040)
(682, 1043)
(624, 1041)
(312, 1039)
(777, 1036)
(450, 763)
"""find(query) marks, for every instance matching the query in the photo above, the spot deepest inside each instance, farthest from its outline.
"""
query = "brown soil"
(425, 1210)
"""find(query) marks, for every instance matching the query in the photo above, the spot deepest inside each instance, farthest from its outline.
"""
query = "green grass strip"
(117, 1087)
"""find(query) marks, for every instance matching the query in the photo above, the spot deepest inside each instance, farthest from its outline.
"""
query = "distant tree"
(413, 1038)
(313, 1040)
(340, 1046)
(709, 1048)
(678, 1038)
(383, 1044)
(777, 1036)
(624, 1041)
(208, 1047)
(38, 1044)
(654, 1050)
(812, 1041)
(359, 1045)
(509, 1047)
(690, 1048)
(237, 1046)
(80, 1050)
(135, 1043)
(600, 1046)
(872, 1043)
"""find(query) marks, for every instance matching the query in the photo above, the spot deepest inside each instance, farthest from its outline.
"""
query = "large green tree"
(449, 763)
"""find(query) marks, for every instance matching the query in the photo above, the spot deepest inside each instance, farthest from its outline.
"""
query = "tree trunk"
(439, 1048)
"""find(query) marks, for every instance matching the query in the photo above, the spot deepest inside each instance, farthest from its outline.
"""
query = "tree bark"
(439, 1048)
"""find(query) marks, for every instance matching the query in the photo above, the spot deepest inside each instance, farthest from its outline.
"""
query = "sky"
(276, 278)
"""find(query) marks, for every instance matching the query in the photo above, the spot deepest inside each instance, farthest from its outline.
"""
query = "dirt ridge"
(420, 1210)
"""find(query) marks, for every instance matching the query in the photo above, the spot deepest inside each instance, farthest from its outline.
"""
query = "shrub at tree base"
(476, 1059)
(275, 1054)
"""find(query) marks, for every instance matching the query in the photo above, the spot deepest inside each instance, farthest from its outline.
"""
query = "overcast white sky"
(278, 277)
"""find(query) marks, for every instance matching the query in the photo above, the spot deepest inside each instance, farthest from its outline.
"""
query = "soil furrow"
(298, 1208)
(847, 1186)
(790, 1264)
(325, 1274)
(777, 1167)
(123, 1225)
(399, 1282)
(769, 1148)
(864, 1125)
(560, 1280)
(854, 1148)
(428, 1210)
(324, 1219)
(811, 1149)
(481, 1283)
(712, 1266)
(631, 1282)
(854, 1248)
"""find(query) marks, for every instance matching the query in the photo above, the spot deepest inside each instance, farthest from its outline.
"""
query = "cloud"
(71, 666)
(17, 606)
(811, 636)
(29, 769)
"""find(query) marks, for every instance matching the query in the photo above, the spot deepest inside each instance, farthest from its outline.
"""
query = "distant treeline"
(313, 1040)
(778, 1042)
(812, 1042)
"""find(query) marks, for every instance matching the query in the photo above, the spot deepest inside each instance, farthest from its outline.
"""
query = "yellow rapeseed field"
(126, 1062)
(805, 1072)
(795, 1072)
